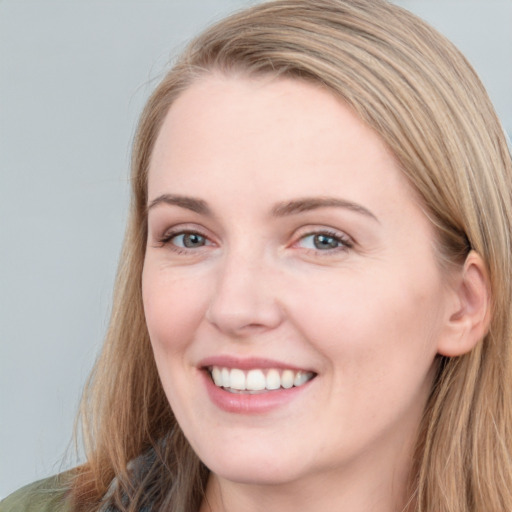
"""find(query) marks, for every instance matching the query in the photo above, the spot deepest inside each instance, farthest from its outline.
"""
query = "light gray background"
(73, 77)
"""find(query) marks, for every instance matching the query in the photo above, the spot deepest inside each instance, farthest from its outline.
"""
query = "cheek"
(373, 327)
(173, 308)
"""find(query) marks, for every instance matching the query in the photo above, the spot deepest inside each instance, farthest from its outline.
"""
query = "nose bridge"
(244, 299)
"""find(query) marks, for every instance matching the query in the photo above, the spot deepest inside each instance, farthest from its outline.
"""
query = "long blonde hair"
(418, 92)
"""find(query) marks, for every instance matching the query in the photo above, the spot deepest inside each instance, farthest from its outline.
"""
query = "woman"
(313, 305)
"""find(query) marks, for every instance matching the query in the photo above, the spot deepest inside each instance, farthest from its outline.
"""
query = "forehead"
(222, 117)
(278, 138)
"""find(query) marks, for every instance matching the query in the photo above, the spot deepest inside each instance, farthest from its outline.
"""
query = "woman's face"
(289, 260)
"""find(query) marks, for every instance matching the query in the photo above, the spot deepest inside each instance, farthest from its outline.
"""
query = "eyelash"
(344, 242)
(166, 240)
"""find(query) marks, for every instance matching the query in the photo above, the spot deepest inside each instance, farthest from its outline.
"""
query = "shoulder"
(48, 495)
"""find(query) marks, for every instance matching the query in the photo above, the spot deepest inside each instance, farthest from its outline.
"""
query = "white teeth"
(273, 380)
(217, 376)
(300, 378)
(287, 379)
(237, 379)
(225, 378)
(257, 379)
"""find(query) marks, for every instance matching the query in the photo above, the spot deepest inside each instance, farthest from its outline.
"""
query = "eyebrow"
(312, 203)
(279, 210)
(189, 203)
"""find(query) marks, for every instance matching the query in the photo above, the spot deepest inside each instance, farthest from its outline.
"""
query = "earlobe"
(469, 322)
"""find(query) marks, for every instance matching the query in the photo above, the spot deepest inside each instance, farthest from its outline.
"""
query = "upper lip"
(226, 361)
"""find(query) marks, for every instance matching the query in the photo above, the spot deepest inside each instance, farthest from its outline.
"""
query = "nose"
(245, 299)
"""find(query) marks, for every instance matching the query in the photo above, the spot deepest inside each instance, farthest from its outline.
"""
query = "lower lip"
(245, 403)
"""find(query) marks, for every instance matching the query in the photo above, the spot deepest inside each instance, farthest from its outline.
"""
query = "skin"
(368, 314)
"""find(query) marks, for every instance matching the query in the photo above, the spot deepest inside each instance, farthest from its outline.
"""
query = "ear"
(469, 320)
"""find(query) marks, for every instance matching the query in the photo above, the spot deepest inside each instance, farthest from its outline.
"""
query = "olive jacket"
(48, 495)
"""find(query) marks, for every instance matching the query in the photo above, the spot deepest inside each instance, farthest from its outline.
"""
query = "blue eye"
(324, 242)
(189, 240)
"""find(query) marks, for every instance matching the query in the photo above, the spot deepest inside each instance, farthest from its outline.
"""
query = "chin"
(254, 469)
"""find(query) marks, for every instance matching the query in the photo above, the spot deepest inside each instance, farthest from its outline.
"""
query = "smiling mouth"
(236, 380)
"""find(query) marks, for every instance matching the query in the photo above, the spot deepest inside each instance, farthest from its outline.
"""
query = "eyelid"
(183, 234)
(183, 229)
(346, 241)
